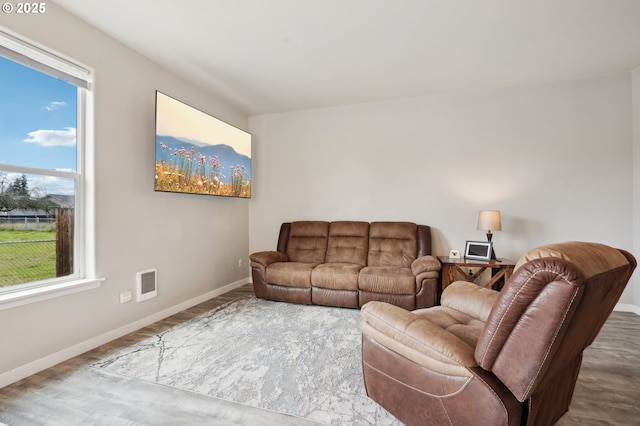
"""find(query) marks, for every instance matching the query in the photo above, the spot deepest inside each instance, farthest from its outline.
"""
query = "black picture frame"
(478, 250)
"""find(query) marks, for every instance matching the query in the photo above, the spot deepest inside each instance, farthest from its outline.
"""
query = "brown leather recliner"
(495, 358)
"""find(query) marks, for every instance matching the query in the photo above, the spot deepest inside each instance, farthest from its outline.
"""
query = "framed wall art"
(197, 153)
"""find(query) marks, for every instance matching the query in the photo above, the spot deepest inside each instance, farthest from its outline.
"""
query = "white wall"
(194, 241)
(555, 158)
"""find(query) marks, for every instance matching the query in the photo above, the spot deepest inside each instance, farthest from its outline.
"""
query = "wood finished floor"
(74, 393)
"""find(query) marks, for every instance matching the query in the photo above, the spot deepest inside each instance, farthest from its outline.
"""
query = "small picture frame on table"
(478, 250)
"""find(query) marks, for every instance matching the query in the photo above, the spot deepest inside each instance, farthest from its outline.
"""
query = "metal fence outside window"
(27, 223)
(33, 256)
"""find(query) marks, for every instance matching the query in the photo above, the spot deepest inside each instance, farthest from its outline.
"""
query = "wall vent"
(146, 284)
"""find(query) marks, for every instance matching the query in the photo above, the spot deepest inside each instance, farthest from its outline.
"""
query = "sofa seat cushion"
(336, 276)
(418, 339)
(290, 274)
(388, 280)
(465, 327)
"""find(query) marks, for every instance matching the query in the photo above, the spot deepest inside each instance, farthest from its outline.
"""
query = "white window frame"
(83, 276)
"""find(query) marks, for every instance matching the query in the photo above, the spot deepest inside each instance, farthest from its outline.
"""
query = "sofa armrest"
(266, 258)
(429, 265)
(470, 298)
(417, 339)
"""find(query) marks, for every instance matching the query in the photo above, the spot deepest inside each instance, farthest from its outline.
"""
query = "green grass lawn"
(28, 261)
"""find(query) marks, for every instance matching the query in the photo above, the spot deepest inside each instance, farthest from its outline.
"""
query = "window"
(44, 103)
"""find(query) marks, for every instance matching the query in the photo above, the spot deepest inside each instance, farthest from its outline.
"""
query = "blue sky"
(37, 121)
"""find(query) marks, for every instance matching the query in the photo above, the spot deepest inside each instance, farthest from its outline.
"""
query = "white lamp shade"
(489, 220)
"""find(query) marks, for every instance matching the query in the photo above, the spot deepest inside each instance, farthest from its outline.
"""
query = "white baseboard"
(49, 361)
(627, 307)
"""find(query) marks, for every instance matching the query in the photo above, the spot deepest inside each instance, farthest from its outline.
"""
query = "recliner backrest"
(348, 242)
(307, 241)
(550, 310)
(392, 244)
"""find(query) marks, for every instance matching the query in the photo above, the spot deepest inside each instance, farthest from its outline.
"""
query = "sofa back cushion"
(308, 241)
(392, 244)
(348, 242)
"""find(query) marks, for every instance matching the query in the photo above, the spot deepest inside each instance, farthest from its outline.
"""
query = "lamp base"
(493, 253)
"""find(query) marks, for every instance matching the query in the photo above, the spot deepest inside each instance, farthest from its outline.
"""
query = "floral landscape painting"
(199, 154)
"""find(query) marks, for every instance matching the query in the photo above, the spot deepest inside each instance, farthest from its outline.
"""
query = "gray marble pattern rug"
(295, 359)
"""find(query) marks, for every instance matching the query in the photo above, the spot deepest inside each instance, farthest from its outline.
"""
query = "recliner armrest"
(266, 258)
(418, 339)
(426, 264)
(469, 298)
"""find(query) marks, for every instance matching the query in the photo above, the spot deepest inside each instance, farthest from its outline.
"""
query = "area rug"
(294, 359)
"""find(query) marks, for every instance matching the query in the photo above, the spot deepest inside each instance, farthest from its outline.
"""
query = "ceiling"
(268, 56)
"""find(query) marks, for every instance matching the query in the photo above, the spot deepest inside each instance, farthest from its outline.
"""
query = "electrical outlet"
(239, 263)
(125, 296)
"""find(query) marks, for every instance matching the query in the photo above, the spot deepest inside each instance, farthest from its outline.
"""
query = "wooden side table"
(452, 271)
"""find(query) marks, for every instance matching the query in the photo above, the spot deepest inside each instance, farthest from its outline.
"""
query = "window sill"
(36, 294)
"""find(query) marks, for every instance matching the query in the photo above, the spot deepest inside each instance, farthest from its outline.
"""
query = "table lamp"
(489, 220)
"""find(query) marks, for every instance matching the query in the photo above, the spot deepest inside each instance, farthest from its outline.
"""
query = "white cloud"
(55, 105)
(66, 137)
(42, 185)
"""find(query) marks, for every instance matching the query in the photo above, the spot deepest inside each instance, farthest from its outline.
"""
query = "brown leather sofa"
(495, 358)
(349, 263)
